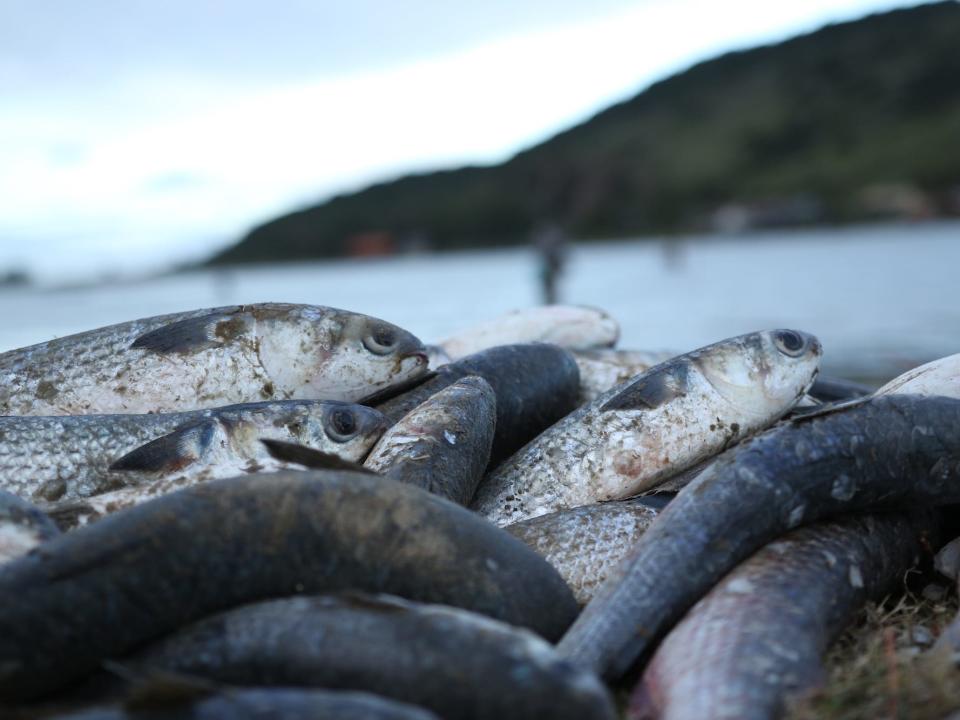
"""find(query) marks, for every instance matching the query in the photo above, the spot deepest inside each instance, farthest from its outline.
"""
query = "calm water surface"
(881, 298)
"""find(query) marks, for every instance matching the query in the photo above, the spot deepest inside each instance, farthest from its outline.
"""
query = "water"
(881, 298)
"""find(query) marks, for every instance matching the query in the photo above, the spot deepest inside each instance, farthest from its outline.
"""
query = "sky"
(137, 134)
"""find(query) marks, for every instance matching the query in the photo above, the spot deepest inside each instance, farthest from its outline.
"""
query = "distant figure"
(551, 243)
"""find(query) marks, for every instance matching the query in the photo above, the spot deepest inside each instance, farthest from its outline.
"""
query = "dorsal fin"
(171, 452)
(193, 334)
(652, 389)
(309, 457)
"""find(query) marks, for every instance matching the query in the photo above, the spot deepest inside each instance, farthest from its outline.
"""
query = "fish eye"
(381, 340)
(789, 342)
(342, 425)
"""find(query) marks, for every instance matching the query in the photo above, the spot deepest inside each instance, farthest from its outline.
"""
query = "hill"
(853, 121)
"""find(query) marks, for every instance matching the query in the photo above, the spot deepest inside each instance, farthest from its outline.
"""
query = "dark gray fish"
(458, 664)
(101, 590)
(759, 635)
(261, 704)
(830, 389)
(442, 445)
(22, 527)
(888, 451)
(586, 543)
(210, 357)
(535, 385)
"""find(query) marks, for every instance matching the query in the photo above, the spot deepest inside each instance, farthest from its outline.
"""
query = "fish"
(891, 450)
(831, 389)
(586, 543)
(601, 370)
(101, 590)
(569, 326)
(455, 663)
(442, 445)
(205, 358)
(758, 637)
(940, 377)
(258, 704)
(67, 458)
(23, 526)
(666, 420)
(535, 385)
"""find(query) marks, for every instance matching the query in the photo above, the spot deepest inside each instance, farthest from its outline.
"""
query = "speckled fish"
(569, 326)
(101, 590)
(458, 664)
(67, 458)
(892, 450)
(206, 358)
(586, 543)
(601, 370)
(535, 386)
(940, 377)
(258, 704)
(443, 445)
(666, 420)
(22, 527)
(759, 636)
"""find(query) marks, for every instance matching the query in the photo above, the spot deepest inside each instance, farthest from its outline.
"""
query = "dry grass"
(882, 669)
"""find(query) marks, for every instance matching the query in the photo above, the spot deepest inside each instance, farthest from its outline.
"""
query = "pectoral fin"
(171, 452)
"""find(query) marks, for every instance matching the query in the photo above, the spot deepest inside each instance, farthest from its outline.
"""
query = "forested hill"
(853, 121)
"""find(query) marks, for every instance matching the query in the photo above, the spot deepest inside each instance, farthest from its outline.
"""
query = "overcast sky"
(135, 134)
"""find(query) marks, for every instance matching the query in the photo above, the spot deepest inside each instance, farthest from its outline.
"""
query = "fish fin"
(309, 457)
(652, 389)
(154, 688)
(192, 334)
(171, 452)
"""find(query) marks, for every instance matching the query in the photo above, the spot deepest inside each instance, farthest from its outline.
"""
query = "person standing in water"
(550, 241)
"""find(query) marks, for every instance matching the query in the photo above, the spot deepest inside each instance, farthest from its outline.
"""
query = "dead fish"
(586, 543)
(569, 326)
(443, 445)
(23, 526)
(666, 420)
(535, 385)
(759, 635)
(831, 389)
(103, 589)
(458, 664)
(260, 704)
(891, 450)
(51, 458)
(205, 358)
(601, 370)
(940, 377)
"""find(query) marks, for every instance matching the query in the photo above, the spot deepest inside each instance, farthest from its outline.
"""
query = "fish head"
(329, 354)
(347, 430)
(763, 372)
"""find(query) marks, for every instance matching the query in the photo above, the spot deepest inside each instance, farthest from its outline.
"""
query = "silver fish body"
(759, 635)
(568, 326)
(586, 543)
(940, 377)
(23, 526)
(61, 458)
(666, 420)
(211, 357)
(442, 445)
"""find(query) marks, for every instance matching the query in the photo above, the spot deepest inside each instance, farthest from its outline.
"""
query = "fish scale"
(210, 357)
(63, 458)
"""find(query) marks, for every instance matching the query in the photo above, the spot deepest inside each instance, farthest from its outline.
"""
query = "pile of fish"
(295, 511)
